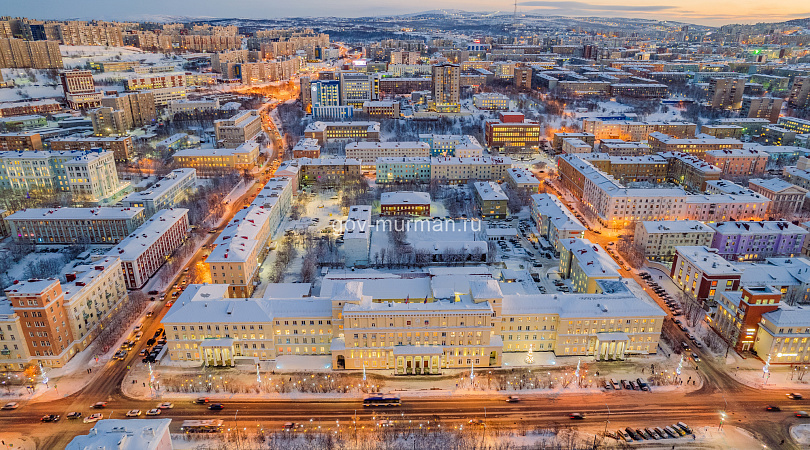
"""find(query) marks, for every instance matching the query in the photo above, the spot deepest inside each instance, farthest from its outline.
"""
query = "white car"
(93, 418)
(11, 405)
(153, 412)
(134, 413)
(166, 405)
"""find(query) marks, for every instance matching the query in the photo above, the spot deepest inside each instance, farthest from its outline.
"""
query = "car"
(625, 384)
(682, 327)
(651, 433)
(150, 313)
(216, 407)
(773, 408)
(11, 405)
(671, 432)
(166, 405)
(684, 345)
(615, 385)
(133, 413)
(158, 333)
(120, 356)
(607, 385)
(288, 426)
(678, 430)
(802, 414)
(144, 352)
(50, 418)
(93, 418)
(633, 385)
(642, 384)
(73, 415)
(692, 337)
(512, 399)
(201, 400)
(684, 427)
(576, 416)
(99, 405)
(153, 412)
(795, 396)
(633, 433)
(624, 435)
(695, 357)
(643, 434)
(661, 432)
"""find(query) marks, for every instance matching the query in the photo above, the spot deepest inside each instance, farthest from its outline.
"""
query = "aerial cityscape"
(530, 225)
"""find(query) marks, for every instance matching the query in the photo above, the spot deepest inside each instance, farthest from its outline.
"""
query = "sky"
(708, 12)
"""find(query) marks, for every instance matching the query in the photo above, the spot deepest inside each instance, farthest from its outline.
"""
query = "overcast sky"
(710, 12)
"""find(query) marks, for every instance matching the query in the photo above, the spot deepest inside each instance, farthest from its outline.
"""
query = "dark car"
(74, 415)
(201, 400)
(99, 405)
(795, 396)
(216, 407)
(773, 408)
(50, 418)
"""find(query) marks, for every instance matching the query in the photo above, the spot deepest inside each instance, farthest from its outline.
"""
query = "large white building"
(357, 236)
(657, 239)
(169, 191)
(102, 225)
(368, 152)
(144, 251)
(125, 434)
(554, 221)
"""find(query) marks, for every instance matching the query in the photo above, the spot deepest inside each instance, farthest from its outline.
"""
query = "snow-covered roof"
(580, 305)
(521, 175)
(322, 126)
(707, 260)
(120, 434)
(100, 213)
(757, 227)
(789, 316)
(776, 185)
(400, 197)
(142, 239)
(591, 258)
(328, 161)
(559, 215)
(674, 226)
(166, 184)
(489, 191)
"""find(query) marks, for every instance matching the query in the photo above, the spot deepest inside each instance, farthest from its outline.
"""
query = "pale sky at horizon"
(711, 12)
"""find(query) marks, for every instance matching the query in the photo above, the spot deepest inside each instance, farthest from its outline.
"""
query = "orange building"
(738, 161)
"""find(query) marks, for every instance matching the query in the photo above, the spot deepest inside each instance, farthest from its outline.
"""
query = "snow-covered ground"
(801, 433)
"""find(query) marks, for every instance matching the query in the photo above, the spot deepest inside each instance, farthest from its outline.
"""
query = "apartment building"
(786, 198)
(102, 225)
(446, 87)
(722, 131)
(649, 168)
(213, 162)
(404, 85)
(523, 77)
(690, 171)
(163, 96)
(660, 142)
(462, 146)
(23, 141)
(584, 87)
(328, 171)
(405, 203)
(48, 106)
(726, 93)
(636, 131)
(397, 169)
(120, 146)
(307, 148)
(82, 33)
(239, 129)
(638, 90)
(491, 101)
(585, 264)
(762, 107)
(144, 251)
(554, 221)
(703, 274)
(512, 132)
(92, 176)
(405, 57)
(657, 240)
(757, 241)
(20, 54)
(368, 152)
(192, 106)
(739, 314)
(448, 170)
(522, 179)
(750, 126)
(330, 131)
(559, 138)
(141, 82)
(618, 147)
(574, 145)
(79, 89)
(738, 162)
(357, 88)
(783, 333)
(382, 108)
(491, 199)
(123, 112)
(170, 190)
(57, 321)
(800, 92)
(800, 126)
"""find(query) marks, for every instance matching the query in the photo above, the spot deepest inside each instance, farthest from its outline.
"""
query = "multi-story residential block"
(448, 170)
(492, 101)
(213, 162)
(554, 221)
(330, 131)
(738, 162)
(23, 140)
(722, 131)
(522, 179)
(150, 434)
(163, 96)
(750, 126)
(783, 333)
(690, 171)
(726, 93)
(660, 142)
(405, 85)
(192, 106)
(523, 77)
(618, 147)
(19, 54)
(756, 241)
(405, 203)
(462, 146)
(739, 314)
(23, 122)
(398, 169)
(68, 316)
(512, 132)
(584, 87)
(368, 152)
(446, 87)
(382, 108)
(639, 90)
(559, 138)
(657, 240)
(166, 193)
(649, 168)
(14, 355)
(703, 274)
(636, 131)
(357, 235)
(141, 82)
(799, 175)
(79, 88)
(491, 199)
(123, 112)
(762, 107)
(585, 264)
(102, 225)
(328, 171)
(786, 198)
(243, 243)
(92, 176)
(307, 148)
(777, 136)
(405, 57)
(48, 106)
(800, 92)
(144, 251)
(82, 33)
(800, 126)
(120, 146)
(574, 145)
(239, 129)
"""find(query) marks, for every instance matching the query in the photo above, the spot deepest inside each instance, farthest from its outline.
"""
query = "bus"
(202, 426)
(382, 400)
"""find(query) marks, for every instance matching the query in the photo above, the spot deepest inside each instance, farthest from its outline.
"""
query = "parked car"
(50, 418)
(11, 405)
(625, 384)
(133, 413)
(216, 407)
(165, 405)
(153, 412)
(642, 385)
(615, 385)
(201, 400)
(73, 415)
(93, 418)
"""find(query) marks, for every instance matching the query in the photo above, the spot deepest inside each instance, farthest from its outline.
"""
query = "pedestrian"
(144, 384)
(642, 371)
(782, 443)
